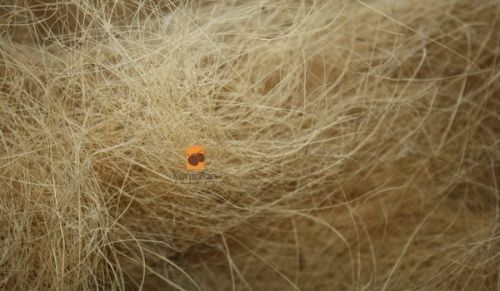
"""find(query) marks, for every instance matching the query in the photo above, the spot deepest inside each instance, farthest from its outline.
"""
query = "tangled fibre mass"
(356, 145)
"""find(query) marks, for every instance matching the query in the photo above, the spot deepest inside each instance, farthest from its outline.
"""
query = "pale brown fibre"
(357, 145)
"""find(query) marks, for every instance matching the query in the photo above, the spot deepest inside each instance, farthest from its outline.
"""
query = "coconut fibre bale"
(349, 145)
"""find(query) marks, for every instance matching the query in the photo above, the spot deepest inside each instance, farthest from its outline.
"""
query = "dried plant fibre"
(356, 145)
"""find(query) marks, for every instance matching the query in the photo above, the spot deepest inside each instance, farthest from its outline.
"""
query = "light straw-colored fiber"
(350, 145)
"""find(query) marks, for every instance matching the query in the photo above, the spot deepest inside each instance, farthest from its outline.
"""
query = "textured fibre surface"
(355, 145)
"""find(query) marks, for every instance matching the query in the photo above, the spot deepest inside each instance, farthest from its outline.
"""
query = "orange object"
(195, 157)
